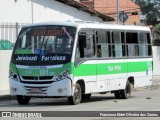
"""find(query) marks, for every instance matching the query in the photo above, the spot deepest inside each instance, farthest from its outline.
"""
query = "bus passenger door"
(85, 63)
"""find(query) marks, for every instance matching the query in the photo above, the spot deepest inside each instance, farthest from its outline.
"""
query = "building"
(108, 7)
(28, 11)
(15, 12)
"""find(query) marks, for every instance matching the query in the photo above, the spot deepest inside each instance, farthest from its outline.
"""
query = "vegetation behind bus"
(156, 35)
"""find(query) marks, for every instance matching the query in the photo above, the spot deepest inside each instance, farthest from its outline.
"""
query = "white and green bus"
(76, 59)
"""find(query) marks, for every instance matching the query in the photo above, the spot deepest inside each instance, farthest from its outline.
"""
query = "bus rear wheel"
(123, 94)
(126, 93)
(23, 100)
(76, 98)
(117, 94)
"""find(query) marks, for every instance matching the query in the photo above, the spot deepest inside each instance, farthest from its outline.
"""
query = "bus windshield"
(44, 45)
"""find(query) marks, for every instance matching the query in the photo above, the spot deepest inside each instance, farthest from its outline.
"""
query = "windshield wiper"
(33, 44)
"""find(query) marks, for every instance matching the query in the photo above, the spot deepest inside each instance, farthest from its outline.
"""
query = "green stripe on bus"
(36, 72)
(90, 69)
(111, 68)
(85, 70)
(137, 66)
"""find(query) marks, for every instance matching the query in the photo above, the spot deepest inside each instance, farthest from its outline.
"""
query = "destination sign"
(48, 32)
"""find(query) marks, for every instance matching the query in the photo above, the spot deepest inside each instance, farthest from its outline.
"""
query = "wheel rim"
(128, 90)
(77, 94)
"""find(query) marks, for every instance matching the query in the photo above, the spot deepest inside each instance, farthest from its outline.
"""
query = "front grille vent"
(37, 77)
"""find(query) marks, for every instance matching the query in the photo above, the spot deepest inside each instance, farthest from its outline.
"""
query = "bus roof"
(93, 25)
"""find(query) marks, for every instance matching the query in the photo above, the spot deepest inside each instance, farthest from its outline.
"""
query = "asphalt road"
(144, 100)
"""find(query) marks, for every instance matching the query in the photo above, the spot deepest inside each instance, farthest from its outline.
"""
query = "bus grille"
(37, 77)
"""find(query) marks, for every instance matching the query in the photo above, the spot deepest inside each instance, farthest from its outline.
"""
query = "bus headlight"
(13, 75)
(65, 74)
(62, 76)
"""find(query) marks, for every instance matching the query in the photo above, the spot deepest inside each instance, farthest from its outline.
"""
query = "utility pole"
(117, 9)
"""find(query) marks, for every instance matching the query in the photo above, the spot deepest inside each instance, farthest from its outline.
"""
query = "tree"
(156, 35)
(157, 27)
(151, 9)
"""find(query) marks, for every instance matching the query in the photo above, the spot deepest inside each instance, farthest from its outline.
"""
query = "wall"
(156, 59)
(5, 56)
(43, 11)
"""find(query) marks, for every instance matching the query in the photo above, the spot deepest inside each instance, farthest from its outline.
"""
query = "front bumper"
(62, 88)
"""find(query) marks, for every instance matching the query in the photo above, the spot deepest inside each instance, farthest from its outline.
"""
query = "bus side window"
(117, 44)
(89, 49)
(103, 44)
(85, 46)
(149, 44)
(144, 44)
(80, 46)
(123, 44)
(132, 44)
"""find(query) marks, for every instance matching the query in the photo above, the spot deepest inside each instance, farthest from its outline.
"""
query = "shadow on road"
(64, 101)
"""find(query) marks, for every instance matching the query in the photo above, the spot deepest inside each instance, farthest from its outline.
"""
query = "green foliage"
(157, 27)
(151, 9)
(156, 35)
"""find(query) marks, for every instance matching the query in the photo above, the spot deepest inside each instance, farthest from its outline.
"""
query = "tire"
(117, 94)
(126, 93)
(76, 98)
(86, 96)
(23, 100)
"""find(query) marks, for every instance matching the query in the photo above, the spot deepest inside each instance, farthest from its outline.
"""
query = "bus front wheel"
(23, 100)
(76, 98)
(86, 96)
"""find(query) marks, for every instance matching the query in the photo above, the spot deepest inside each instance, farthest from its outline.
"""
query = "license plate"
(36, 91)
